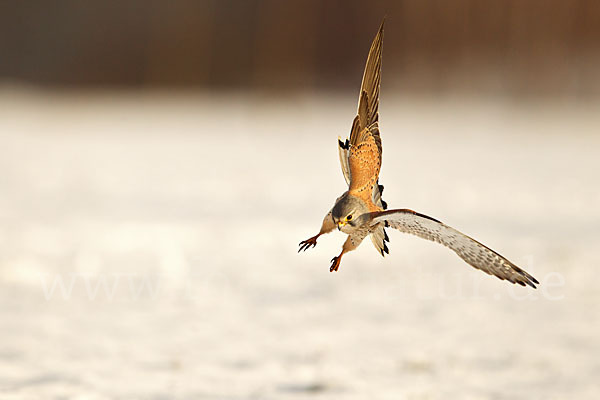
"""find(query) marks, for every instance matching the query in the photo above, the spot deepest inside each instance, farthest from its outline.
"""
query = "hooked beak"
(341, 224)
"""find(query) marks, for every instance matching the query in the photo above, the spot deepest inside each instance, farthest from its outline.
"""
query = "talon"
(335, 263)
(306, 244)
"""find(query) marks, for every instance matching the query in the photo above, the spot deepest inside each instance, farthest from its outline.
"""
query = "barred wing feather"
(474, 253)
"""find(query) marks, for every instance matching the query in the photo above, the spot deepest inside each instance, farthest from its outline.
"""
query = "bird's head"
(348, 210)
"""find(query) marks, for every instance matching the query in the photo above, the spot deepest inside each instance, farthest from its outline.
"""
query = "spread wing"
(470, 250)
(368, 99)
(360, 156)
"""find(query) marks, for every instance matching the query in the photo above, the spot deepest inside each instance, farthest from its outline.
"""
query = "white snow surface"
(172, 222)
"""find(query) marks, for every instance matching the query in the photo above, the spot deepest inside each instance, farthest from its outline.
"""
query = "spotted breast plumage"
(360, 211)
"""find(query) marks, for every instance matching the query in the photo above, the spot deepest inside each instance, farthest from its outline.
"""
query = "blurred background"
(534, 47)
(160, 161)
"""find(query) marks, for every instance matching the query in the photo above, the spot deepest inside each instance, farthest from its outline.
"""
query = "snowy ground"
(148, 250)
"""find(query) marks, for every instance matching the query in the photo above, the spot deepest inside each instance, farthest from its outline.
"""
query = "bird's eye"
(349, 217)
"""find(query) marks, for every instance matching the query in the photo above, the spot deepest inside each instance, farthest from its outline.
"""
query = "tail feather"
(379, 238)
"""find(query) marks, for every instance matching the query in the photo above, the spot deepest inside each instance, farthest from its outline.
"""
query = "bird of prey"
(360, 211)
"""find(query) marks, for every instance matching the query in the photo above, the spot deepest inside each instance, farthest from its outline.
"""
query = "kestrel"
(360, 211)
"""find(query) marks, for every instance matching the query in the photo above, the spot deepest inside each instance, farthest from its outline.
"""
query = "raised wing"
(365, 142)
(470, 250)
(368, 99)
